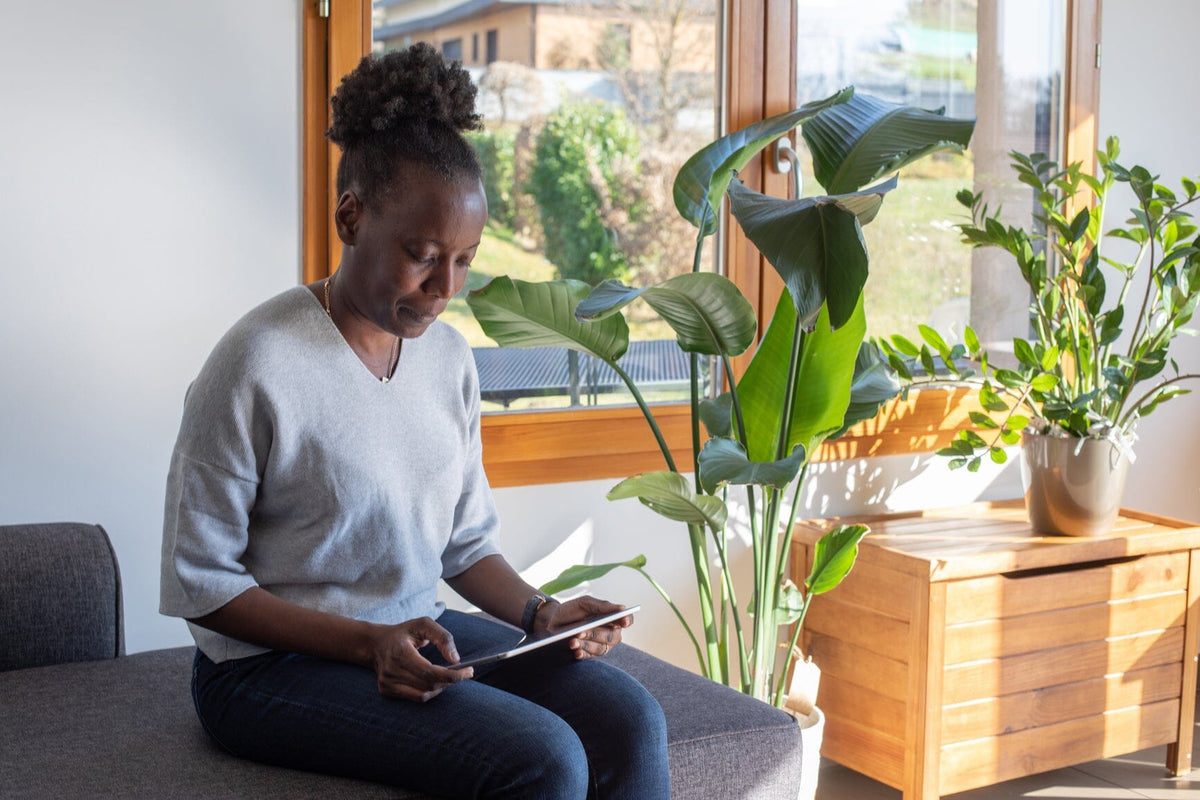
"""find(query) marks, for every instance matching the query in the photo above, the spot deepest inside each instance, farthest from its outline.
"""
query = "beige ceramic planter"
(1073, 487)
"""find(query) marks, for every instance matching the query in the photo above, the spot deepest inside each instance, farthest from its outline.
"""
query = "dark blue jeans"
(540, 726)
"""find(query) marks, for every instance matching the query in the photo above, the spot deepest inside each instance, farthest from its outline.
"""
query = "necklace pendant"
(384, 379)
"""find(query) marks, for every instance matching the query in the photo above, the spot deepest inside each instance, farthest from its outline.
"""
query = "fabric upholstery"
(126, 728)
(61, 595)
(99, 725)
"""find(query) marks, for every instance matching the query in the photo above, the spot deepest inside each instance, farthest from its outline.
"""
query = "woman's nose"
(440, 282)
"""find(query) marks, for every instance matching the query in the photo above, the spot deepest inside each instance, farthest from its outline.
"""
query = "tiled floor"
(1138, 776)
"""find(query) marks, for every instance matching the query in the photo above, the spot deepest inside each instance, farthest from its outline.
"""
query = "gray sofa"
(79, 718)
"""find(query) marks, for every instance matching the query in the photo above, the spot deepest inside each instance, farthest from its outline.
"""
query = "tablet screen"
(531, 643)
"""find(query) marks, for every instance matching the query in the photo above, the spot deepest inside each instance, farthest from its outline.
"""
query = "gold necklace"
(393, 353)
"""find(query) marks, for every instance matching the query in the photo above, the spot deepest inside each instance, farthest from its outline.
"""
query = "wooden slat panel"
(882, 591)
(1017, 712)
(861, 705)
(987, 761)
(1029, 633)
(1179, 754)
(963, 554)
(999, 596)
(859, 666)
(925, 688)
(558, 446)
(872, 753)
(870, 630)
(1003, 676)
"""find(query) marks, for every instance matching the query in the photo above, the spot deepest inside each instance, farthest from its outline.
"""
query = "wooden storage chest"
(964, 650)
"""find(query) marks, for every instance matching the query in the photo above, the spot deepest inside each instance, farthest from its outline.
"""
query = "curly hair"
(408, 106)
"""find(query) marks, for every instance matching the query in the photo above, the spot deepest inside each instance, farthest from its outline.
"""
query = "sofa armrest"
(60, 595)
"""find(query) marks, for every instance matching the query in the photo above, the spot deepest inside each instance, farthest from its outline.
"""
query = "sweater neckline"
(346, 351)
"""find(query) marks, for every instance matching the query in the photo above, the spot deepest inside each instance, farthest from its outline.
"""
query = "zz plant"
(1095, 364)
(810, 377)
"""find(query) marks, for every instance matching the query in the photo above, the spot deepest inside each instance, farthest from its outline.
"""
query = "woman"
(328, 472)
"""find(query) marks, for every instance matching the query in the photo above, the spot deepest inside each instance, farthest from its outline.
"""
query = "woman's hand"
(591, 644)
(402, 671)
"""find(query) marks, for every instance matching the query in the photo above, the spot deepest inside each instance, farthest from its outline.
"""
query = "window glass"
(590, 108)
(1001, 61)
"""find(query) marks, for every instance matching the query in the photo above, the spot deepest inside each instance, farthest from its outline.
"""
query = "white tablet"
(531, 643)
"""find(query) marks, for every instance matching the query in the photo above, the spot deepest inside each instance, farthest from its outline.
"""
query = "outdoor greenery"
(1082, 372)
(585, 151)
(497, 150)
(811, 376)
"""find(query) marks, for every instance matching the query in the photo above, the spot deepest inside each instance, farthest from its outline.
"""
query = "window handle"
(788, 160)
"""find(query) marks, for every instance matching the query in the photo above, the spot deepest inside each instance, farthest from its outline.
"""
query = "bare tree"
(514, 85)
(660, 53)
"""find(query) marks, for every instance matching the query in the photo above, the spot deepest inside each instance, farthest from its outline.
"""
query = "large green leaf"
(571, 577)
(701, 181)
(671, 495)
(707, 311)
(865, 138)
(724, 461)
(833, 557)
(815, 244)
(874, 383)
(822, 383)
(717, 415)
(524, 314)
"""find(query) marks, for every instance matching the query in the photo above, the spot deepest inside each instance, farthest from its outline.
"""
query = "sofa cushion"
(126, 727)
(61, 596)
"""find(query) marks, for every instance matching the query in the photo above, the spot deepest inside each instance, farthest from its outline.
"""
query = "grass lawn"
(499, 254)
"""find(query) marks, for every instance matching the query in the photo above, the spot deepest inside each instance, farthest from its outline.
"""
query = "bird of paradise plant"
(811, 376)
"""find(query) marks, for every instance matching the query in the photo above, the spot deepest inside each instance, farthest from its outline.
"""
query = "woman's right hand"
(401, 670)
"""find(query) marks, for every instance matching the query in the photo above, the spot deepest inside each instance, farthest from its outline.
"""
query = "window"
(586, 123)
(493, 46)
(475, 48)
(973, 59)
(452, 49)
(762, 43)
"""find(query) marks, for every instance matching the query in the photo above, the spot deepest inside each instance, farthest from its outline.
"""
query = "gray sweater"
(299, 471)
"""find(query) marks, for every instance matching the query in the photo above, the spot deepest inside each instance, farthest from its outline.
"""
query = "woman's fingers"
(401, 671)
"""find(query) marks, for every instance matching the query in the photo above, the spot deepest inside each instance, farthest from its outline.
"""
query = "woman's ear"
(346, 217)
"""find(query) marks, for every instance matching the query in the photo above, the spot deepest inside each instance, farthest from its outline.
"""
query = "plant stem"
(637, 395)
(777, 700)
(1125, 420)
(727, 582)
(765, 597)
(679, 614)
(781, 576)
(738, 418)
(789, 392)
(1153, 232)
(713, 669)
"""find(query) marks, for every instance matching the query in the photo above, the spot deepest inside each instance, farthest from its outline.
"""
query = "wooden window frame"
(610, 442)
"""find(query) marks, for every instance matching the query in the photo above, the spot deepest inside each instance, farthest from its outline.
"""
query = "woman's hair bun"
(403, 84)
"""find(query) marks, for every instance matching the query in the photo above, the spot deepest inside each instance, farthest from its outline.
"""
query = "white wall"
(1149, 99)
(149, 195)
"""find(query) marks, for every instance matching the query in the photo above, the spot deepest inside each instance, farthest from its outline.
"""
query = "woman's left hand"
(591, 644)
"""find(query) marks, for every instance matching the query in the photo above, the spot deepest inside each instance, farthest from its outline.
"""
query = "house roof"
(464, 10)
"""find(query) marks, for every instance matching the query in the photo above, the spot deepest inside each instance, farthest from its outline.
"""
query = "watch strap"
(532, 607)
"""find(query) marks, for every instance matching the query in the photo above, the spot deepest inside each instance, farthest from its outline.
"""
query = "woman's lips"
(419, 316)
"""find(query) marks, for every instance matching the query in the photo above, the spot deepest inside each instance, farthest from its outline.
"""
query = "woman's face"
(406, 256)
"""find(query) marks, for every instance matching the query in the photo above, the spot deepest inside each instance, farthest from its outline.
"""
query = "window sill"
(594, 444)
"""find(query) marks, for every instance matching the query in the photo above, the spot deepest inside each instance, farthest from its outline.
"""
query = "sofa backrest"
(60, 595)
